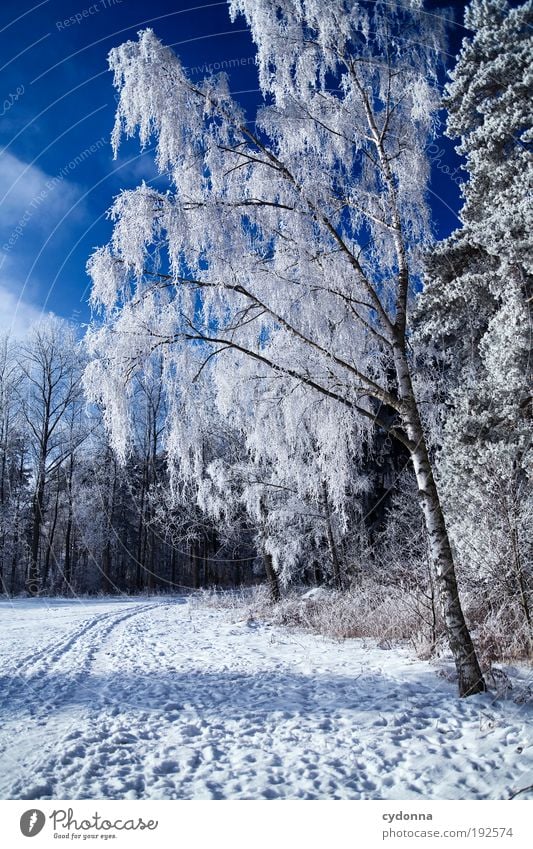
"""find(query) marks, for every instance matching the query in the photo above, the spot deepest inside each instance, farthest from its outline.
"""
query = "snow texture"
(172, 699)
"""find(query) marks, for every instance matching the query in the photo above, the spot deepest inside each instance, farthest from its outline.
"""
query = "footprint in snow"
(172, 707)
(166, 767)
(124, 739)
(190, 731)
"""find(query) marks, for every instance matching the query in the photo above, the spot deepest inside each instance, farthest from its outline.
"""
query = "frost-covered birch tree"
(286, 249)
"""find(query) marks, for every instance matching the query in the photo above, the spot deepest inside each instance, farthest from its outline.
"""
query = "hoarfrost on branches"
(279, 266)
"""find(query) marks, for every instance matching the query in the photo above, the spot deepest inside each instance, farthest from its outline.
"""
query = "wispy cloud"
(16, 315)
(32, 204)
(26, 189)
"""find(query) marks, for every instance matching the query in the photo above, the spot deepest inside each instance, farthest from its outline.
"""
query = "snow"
(174, 699)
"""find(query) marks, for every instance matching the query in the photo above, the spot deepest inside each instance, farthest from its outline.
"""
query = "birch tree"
(285, 249)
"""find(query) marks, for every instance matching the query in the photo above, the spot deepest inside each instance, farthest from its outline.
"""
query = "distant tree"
(13, 468)
(51, 392)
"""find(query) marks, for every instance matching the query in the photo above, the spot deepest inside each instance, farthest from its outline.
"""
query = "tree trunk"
(141, 537)
(334, 554)
(195, 564)
(272, 578)
(68, 551)
(464, 654)
(205, 559)
(149, 561)
(466, 662)
(50, 540)
(108, 584)
(237, 574)
(14, 562)
(469, 674)
(33, 582)
(173, 568)
(432, 599)
(70, 520)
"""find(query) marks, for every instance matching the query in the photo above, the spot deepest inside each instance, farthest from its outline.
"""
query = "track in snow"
(174, 700)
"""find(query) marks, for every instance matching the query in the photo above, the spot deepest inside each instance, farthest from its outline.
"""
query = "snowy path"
(172, 699)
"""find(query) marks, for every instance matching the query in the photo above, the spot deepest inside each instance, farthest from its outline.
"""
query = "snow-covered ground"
(172, 699)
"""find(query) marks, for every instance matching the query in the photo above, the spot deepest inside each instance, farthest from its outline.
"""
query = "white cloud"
(26, 191)
(32, 202)
(16, 314)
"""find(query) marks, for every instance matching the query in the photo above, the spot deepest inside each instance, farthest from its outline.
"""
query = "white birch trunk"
(470, 678)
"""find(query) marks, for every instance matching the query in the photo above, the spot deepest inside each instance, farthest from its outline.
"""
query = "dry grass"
(387, 614)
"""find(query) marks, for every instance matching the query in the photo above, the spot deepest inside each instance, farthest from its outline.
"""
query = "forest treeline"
(72, 518)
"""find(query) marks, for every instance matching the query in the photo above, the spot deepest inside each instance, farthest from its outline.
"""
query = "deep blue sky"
(57, 103)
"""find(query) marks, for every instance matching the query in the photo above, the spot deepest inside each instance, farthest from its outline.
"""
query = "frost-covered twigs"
(288, 253)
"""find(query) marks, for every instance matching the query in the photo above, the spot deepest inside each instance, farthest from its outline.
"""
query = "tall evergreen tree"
(475, 308)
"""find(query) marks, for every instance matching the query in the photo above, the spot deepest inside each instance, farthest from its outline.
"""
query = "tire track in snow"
(34, 674)
(40, 697)
(33, 663)
(111, 739)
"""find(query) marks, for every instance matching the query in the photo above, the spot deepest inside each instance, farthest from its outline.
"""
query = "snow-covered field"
(172, 699)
